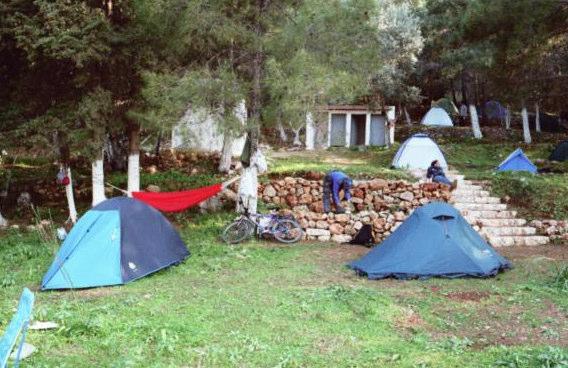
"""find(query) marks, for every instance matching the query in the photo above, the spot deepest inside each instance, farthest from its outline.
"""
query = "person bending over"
(436, 173)
(333, 182)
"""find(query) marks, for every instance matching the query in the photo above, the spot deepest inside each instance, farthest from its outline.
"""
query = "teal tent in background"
(435, 241)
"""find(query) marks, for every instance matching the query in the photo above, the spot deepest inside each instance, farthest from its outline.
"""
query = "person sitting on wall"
(436, 173)
(333, 182)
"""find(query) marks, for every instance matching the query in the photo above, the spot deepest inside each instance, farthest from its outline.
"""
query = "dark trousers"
(328, 196)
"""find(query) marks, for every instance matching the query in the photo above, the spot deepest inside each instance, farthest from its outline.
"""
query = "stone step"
(507, 241)
(489, 214)
(481, 206)
(470, 193)
(507, 231)
(496, 222)
(469, 188)
(475, 199)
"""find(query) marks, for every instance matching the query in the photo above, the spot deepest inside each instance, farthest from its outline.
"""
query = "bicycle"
(283, 228)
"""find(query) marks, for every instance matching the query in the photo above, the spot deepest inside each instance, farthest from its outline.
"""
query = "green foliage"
(560, 279)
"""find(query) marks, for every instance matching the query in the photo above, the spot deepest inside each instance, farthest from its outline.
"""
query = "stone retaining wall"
(381, 203)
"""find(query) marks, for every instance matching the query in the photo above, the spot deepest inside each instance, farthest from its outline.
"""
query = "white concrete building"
(199, 130)
(357, 125)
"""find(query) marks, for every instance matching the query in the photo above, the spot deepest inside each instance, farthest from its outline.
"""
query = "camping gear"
(177, 201)
(517, 161)
(364, 236)
(435, 241)
(118, 241)
(283, 228)
(62, 178)
(418, 152)
(560, 153)
(18, 326)
(437, 116)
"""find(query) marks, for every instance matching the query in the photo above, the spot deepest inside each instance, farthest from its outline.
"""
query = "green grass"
(261, 304)
(371, 163)
(537, 196)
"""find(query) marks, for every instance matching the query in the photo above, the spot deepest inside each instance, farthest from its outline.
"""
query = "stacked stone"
(555, 229)
(380, 203)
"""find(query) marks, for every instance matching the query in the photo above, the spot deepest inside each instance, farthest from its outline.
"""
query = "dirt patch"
(410, 322)
(491, 324)
(553, 252)
(467, 296)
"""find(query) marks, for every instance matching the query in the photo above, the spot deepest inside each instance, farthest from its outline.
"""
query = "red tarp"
(177, 201)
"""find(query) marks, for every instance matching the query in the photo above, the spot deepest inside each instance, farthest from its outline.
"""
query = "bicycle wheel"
(287, 231)
(237, 231)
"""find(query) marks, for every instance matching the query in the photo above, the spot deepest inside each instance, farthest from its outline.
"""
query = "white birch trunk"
(3, 221)
(537, 117)
(297, 141)
(310, 132)
(508, 118)
(526, 128)
(71, 198)
(282, 132)
(226, 153)
(133, 172)
(407, 116)
(98, 180)
(475, 122)
(391, 126)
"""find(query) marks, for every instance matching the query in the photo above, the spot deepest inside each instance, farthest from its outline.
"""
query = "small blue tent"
(120, 240)
(435, 241)
(517, 161)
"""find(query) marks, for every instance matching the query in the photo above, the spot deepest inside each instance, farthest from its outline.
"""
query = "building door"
(338, 131)
(357, 130)
(377, 130)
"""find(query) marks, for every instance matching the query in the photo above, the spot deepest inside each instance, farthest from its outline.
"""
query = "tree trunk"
(464, 88)
(407, 116)
(526, 128)
(158, 145)
(98, 180)
(475, 122)
(297, 141)
(508, 118)
(537, 117)
(3, 221)
(310, 132)
(133, 158)
(70, 197)
(282, 132)
(226, 154)
(391, 131)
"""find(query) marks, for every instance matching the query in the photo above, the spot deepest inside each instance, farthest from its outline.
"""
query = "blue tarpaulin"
(435, 241)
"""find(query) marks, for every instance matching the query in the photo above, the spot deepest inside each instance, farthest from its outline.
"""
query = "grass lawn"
(265, 305)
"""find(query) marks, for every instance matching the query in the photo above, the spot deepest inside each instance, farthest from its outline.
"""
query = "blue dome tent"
(435, 241)
(517, 161)
(118, 241)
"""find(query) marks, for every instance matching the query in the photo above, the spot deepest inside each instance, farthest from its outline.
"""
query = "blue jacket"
(339, 180)
(434, 171)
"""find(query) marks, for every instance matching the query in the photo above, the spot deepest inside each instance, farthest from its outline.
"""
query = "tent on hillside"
(437, 116)
(560, 153)
(495, 111)
(517, 161)
(435, 241)
(418, 152)
(118, 241)
(447, 104)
